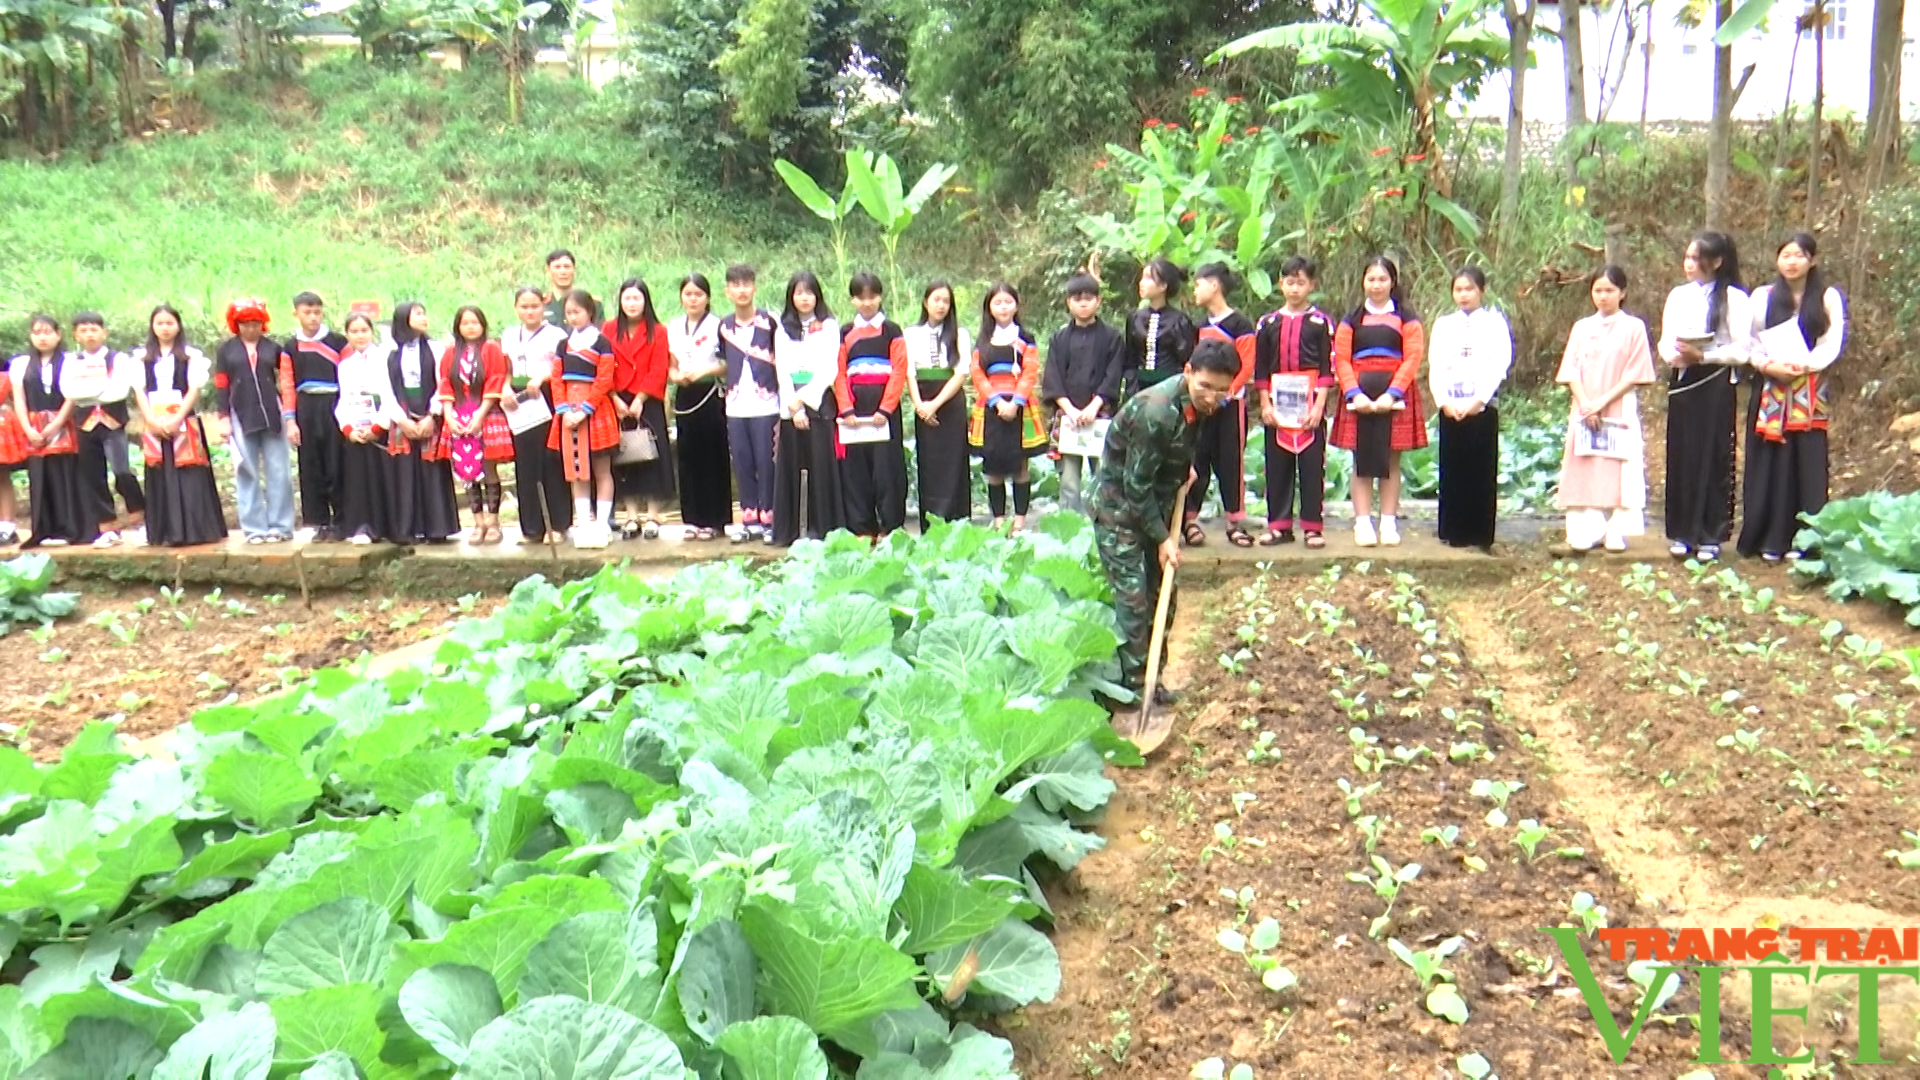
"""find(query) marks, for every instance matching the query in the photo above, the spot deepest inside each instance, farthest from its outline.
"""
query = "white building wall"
(1678, 86)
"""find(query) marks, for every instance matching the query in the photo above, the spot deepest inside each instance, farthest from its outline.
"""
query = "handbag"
(636, 447)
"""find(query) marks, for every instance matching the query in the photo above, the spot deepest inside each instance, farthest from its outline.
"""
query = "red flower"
(1101, 164)
(1393, 192)
(1383, 150)
(1186, 217)
(1225, 139)
(1411, 158)
(1235, 99)
(1171, 126)
(1254, 130)
(1153, 124)
(1201, 91)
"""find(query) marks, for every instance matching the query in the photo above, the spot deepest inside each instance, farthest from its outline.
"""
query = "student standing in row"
(314, 352)
(1081, 378)
(1377, 352)
(1703, 337)
(561, 272)
(700, 412)
(1787, 423)
(1160, 337)
(14, 454)
(471, 379)
(806, 356)
(940, 359)
(63, 510)
(1293, 377)
(183, 502)
(365, 412)
(422, 478)
(753, 403)
(640, 398)
(540, 488)
(873, 380)
(1005, 428)
(1471, 350)
(1223, 437)
(99, 380)
(585, 431)
(1603, 470)
(253, 391)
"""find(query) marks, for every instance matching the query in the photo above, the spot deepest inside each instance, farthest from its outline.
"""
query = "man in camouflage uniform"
(1147, 459)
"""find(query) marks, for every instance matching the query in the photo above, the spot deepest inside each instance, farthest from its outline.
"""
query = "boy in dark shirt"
(1293, 377)
(1221, 453)
(314, 351)
(1082, 381)
(253, 391)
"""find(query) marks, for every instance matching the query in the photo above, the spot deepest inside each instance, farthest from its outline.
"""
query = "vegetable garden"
(855, 814)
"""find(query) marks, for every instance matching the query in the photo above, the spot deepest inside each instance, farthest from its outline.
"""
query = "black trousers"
(106, 448)
(320, 456)
(1288, 471)
(1784, 480)
(1701, 406)
(540, 487)
(1469, 457)
(1220, 454)
(810, 452)
(873, 483)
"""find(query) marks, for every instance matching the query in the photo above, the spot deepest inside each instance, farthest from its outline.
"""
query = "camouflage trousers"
(1133, 575)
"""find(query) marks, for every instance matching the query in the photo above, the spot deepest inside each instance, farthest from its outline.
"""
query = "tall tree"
(1519, 14)
(1817, 20)
(1883, 87)
(1720, 128)
(1573, 64)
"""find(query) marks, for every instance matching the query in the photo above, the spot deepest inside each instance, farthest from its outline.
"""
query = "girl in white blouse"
(183, 502)
(367, 411)
(1468, 357)
(1704, 339)
(1799, 326)
(539, 483)
(806, 360)
(700, 412)
(940, 356)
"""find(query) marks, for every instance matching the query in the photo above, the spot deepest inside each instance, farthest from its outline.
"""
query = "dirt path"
(1658, 864)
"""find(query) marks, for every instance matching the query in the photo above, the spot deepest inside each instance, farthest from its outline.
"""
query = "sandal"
(1316, 541)
(703, 534)
(492, 535)
(1274, 537)
(477, 534)
(629, 530)
(650, 530)
(1194, 535)
(1239, 537)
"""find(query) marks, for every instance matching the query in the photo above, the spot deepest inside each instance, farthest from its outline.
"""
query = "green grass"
(368, 184)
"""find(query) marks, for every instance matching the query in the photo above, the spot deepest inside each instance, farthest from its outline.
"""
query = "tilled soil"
(151, 656)
(1761, 728)
(1149, 990)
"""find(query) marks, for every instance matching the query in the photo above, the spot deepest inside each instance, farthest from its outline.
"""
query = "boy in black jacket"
(253, 390)
(314, 351)
(1082, 380)
(1293, 376)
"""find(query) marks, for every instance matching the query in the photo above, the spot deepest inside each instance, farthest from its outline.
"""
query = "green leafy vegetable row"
(761, 826)
(1867, 546)
(24, 596)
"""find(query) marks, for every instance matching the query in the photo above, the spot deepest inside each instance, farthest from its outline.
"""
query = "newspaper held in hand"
(1292, 399)
(852, 434)
(1083, 440)
(1783, 344)
(359, 410)
(529, 414)
(1615, 440)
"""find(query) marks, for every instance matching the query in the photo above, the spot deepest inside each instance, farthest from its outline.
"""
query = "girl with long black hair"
(640, 397)
(1471, 350)
(700, 411)
(472, 379)
(1787, 416)
(540, 487)
(940, 354)
(63, 511)
(1377, 352)
(1704, 338)
(1005, 430)
(806, 359)
(421, 489)
(183, 502)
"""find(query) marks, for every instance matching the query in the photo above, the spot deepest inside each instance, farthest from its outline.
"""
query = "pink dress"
(1601, 352)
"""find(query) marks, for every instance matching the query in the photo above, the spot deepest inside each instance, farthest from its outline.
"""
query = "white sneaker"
(360, 539)
(1363, 534)
(107, 539)
(1616, 542)
(136, 536)
(590, 535)
(1389, 533)
(737, 533)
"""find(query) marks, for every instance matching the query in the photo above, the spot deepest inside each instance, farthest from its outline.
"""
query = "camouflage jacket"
(1148, 454)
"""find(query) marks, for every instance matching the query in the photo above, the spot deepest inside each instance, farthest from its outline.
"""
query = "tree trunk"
(1646, 68)
(190, 34)
(1782, 140)
(1720, 129)
(30, 103)
(169, 37)
(132, 77)
(1574, 65)
(1519, 42)
(1883, 91)
(1814, 142)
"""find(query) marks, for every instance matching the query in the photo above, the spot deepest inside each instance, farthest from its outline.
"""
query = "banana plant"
(879, 188)
(834, 211)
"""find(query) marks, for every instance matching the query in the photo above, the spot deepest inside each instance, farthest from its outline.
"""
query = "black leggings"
(546, 502)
